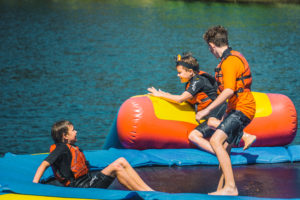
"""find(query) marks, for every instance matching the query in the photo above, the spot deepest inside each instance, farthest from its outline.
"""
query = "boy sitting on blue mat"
(71, 168)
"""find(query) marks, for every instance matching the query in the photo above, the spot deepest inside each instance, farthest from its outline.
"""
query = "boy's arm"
(225, 94)
(230, 72)
(40, 171)
(170, 97)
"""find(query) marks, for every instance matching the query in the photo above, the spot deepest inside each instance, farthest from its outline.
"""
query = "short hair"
(59, 129)
(217, 35)
(191, 62)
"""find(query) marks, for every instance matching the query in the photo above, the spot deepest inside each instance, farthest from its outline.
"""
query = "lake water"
(80, 60)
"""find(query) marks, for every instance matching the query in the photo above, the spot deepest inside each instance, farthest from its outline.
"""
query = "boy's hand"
(154, 92)
(201, 114)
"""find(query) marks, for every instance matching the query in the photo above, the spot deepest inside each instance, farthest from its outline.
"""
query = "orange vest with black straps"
(78, 164)
(201, 99)
(243, 82)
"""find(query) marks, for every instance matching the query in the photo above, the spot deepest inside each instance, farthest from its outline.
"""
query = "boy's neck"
(194, 74)
(221, 50)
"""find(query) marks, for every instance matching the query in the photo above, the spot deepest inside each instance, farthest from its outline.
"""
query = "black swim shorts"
(218, 113)
(94, 179)
(233, 125)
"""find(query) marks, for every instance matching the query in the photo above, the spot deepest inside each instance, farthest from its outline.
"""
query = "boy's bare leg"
(221, 181)
(217, 141)
(126, 175)
(134, 175)
(248, 140)
(196, 137)
(213, 122)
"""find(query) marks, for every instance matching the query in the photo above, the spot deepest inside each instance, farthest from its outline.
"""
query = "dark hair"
(188, 61)
(59, 129)
(217, 35)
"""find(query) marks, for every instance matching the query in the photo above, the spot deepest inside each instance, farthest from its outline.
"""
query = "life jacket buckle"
(240, 90)
(217, 69)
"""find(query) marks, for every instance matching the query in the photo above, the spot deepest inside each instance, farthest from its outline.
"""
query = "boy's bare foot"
(226, 191)
(248, 140)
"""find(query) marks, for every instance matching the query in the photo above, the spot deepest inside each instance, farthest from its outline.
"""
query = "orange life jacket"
(78, 164)
(243, 82)
(201, 100)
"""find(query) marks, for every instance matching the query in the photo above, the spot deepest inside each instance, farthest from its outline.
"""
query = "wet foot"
(226, 191)
(249, 140)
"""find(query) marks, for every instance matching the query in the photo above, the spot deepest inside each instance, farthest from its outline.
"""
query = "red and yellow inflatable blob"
(147, 122)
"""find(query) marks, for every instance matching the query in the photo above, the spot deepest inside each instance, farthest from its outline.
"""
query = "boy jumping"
(234, 79)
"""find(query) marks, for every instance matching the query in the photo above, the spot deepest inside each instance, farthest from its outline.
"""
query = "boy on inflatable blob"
(200, 91)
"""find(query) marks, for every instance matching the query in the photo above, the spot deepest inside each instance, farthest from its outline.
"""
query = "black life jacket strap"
(202, 100)
(205, 99)
(240, 90)
(218, 69)
(243, 78)
(196, 107)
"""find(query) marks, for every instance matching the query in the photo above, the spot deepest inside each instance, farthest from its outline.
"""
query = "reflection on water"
(79, 60)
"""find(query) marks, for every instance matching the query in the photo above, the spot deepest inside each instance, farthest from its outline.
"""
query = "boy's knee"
(218, 138)
(122, 161)
(194, 134)
(117, 168)
(213, 122)
(210, 122)
(191, 135)
(215, 141)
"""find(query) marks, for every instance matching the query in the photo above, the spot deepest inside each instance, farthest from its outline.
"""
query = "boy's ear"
(212, 44)
(64, 136)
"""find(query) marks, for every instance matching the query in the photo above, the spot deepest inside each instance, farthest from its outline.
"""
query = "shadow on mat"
(251, 159)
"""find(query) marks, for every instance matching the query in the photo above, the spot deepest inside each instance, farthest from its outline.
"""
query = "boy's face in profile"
(212, 48)
(184, 74)
(70, 137)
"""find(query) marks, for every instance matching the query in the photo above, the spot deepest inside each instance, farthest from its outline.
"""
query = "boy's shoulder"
(231, 61)
(196, 82)
(197, 77)
(201, 79)
(57, 151)
(59, 147)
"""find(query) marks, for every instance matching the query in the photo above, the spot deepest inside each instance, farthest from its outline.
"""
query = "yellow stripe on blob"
(185, 112)
(171, 111)
(263, 105)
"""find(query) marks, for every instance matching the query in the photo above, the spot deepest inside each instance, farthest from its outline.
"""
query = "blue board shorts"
(233, 125)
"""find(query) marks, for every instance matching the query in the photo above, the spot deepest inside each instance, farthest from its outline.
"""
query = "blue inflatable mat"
(17, 171)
